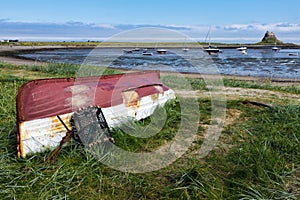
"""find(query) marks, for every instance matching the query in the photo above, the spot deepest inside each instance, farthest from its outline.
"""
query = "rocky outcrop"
(270, 38)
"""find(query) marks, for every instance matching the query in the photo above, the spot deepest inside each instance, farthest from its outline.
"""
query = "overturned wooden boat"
(41, 103)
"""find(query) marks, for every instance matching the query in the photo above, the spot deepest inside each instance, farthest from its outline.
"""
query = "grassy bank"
(257, 155)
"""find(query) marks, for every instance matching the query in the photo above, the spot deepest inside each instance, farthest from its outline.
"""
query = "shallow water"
(257, 62)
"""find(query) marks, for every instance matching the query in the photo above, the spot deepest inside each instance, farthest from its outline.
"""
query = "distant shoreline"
(51, 45)
(13, 51)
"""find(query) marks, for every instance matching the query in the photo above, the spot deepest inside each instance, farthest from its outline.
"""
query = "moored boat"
(127, 51)
(146, 53)
(293, 54)
(275, 48)
(211, 50)
(161, 51)
(242, 48)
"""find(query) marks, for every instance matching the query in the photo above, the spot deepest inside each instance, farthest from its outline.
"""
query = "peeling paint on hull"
(134, 95)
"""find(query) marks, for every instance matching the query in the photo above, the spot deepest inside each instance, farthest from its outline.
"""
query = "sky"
(229, 20)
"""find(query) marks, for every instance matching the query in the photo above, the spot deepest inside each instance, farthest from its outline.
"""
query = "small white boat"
(185, 49)
(242, 48)
(161, 51)
(275, 48)
(145, 53)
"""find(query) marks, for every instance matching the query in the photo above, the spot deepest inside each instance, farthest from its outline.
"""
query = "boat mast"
(208, 35)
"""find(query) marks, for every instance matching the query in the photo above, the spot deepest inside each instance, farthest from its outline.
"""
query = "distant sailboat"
(185, 48)
(211, 50)
(275, 48)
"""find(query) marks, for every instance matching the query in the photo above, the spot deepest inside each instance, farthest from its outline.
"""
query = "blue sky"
(230, 21)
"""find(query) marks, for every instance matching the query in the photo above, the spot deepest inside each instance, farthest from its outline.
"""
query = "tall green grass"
(292, 88)
(257, 157)
(61, 69)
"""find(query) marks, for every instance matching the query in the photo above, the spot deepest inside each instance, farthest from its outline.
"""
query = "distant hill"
(270, 38)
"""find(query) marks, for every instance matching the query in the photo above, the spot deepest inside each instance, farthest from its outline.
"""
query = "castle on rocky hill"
(270, 38)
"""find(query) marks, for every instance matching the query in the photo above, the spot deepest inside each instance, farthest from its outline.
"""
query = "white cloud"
(279, 27)
(108, 26)
(252, 32)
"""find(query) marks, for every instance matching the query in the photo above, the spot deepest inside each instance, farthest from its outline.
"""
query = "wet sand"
(7, 54)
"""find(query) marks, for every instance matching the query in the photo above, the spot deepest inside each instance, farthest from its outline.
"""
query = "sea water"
(256, 62)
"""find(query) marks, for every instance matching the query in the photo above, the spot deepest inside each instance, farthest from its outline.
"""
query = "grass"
(63, 43)
(104, 43)
(263, 165)
(257, 155)
(56, 69)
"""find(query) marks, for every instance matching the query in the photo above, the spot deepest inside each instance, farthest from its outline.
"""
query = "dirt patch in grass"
(236, 93)
(233, 93)
(231, 116)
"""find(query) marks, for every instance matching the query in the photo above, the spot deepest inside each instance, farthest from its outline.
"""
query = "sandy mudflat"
(6, 54)
(18, 61)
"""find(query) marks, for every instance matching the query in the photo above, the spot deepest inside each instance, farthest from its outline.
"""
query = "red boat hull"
(120, 96)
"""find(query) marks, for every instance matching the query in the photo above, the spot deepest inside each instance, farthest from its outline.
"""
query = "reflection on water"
(257, 62)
